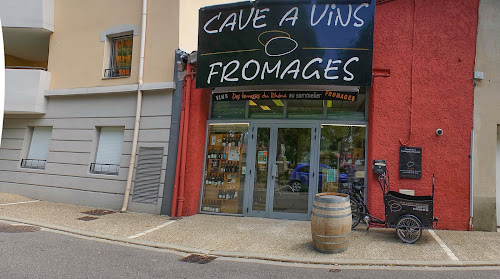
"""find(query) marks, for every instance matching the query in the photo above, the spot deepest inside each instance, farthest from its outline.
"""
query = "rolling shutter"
(109, 149)
(40, 141)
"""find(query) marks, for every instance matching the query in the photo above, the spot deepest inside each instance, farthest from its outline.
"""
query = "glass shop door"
(282, 176)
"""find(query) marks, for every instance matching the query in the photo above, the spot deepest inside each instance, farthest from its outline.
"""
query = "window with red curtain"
(120, 57)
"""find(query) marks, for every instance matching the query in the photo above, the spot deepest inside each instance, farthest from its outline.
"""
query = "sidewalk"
(256, 238)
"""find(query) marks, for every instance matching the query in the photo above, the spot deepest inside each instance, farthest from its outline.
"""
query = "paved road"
(47, 254)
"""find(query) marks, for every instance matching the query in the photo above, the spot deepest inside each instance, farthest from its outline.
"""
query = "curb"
(257, 256)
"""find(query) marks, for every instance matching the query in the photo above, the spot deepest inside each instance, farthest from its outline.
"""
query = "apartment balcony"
(25, 90)
(36, 14)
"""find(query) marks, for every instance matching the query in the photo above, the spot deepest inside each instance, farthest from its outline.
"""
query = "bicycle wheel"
(409, 229)
(356, 211)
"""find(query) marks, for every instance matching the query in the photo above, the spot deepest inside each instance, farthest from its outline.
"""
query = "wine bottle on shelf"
(206, 179)
(235, 196)
(220, 193)
(221, 178)
(224, 140)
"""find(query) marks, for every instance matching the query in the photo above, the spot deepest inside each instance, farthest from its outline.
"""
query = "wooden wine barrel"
(331, 222)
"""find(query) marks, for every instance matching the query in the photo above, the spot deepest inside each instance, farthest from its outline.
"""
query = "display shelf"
(223, 173)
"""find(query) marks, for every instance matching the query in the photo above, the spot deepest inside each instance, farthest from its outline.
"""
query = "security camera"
(439, 132)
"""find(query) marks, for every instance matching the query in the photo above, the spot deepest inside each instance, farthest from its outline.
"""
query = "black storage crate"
(397, 205)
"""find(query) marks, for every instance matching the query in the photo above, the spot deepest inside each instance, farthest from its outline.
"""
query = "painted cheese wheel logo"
(394, 206)
(277, 43)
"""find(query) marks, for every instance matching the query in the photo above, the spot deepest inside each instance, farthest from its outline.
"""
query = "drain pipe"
(138, 110)
(471, 182)
(180, 198)
(173, 210)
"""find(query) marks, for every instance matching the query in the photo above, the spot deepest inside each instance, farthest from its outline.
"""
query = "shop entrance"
(282, 175)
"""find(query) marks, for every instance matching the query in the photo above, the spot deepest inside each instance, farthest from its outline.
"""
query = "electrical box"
(379, 166)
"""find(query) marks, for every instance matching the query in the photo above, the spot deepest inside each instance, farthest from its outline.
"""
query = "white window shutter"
(109, 149)
(40, 141)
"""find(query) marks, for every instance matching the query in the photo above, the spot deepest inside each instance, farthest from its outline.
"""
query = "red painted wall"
(444, 40)
(434, 91)
(198, 115)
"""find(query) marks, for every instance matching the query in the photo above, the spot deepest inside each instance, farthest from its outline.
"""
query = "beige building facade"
(188, 39)
(486, 148)
(72, 87)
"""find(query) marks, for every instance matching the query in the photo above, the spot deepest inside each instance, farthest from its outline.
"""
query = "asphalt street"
(50, 254)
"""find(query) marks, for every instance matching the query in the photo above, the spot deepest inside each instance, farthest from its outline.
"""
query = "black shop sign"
(286, 42)
(286, 95)
(410, 162)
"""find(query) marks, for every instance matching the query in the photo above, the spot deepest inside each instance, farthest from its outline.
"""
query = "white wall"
(28, 13)
(66, 177)
(25, 90)
(498, 175)
(486, 116)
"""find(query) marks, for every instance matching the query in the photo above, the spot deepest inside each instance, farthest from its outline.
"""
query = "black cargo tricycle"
(409, 215)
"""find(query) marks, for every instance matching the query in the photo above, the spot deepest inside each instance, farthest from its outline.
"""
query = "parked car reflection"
(299, 177)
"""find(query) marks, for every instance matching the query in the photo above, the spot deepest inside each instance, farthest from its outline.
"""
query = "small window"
(120, 57)
(109, 151)
(38, 149)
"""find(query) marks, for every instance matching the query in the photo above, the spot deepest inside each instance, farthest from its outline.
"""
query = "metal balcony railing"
(117, 72)
(104, 168)
(33, 164)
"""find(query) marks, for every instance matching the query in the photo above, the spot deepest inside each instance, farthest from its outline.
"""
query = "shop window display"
(342, 158)
(225, 169)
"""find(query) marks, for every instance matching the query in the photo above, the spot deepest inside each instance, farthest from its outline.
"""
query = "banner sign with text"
(286, 42)
(410, 162)
(287, 95)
